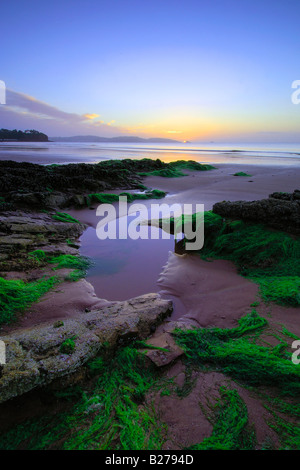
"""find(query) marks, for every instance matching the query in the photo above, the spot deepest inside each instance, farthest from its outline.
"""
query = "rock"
(281, 211)
(15, 240)
(286, 196)
(22, 232)
(36, 186)
(168, 353)
(34, 358)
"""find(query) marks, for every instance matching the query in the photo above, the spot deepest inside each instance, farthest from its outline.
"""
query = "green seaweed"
(64, 217)
(241, 173)
(233, 352)
(191, 165)
(17, 295)
(173, 169)
(111, 415)
(230, 426)
(79, 264)
(38, 255)
(268, 257)
(68, 346)
(230, 351)
(107, 198)
(164, 172)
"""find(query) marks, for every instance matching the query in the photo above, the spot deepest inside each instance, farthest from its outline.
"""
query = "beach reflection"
(123, 269)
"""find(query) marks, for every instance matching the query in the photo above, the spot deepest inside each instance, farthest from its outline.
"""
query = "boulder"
(35, 357)
(23, 232)
(281, 212)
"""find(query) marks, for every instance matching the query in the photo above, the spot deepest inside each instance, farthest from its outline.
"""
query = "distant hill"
(22, 136)
(128, 139)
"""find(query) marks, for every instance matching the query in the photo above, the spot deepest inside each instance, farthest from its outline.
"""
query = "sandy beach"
(204, 293)
(199, 288)
(220, 184)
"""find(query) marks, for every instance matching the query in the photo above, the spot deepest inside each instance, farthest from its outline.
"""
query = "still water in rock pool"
(122, 269)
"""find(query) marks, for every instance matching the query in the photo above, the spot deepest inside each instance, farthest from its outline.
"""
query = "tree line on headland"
(23, 136)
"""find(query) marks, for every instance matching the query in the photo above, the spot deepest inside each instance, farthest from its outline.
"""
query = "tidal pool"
(124, 268)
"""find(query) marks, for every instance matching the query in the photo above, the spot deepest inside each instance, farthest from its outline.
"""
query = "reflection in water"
(123, 269)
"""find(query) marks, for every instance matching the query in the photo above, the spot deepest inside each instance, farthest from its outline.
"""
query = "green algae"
(79, 265)
(232, 352)
(17, 295)
(235, 353)
(164, 173)
(107, 198)
(64, 217)
(112, 414)
(68, 346)
(267, 257)
(241, 173)
(231, 430)
(173, 169)
(191, 165)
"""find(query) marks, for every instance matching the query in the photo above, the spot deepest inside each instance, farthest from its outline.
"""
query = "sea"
(45, 153)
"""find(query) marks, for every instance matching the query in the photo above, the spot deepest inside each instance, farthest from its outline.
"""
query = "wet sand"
(220, 185)
(212, 293)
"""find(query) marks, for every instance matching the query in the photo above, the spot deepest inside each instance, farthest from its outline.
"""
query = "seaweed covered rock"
(37, 356)
(23, 232)
(280, 211)
(24, 184)
(294, 196)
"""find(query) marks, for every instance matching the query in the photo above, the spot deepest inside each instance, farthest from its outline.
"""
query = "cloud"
(18, 101)
(91, 116)
(26, 112)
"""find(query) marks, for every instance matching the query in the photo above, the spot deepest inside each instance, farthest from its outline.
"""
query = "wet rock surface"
(22, 232)
(280, 211)
(35, 357)
(31, 185)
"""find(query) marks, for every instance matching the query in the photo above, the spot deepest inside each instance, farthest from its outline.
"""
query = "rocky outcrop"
(22, 232)
(294, 196)
(280, 211)
(37, 356)
(31, 185)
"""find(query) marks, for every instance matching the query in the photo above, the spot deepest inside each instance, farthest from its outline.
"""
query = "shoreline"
(216, 158)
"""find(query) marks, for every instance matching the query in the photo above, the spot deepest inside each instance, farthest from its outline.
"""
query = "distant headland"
(128, 139)
(36, 136)
(22, 136)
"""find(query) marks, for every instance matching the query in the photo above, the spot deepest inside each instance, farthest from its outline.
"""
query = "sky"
(205, 70)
